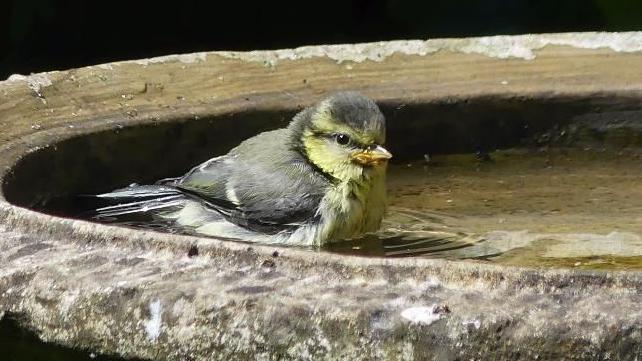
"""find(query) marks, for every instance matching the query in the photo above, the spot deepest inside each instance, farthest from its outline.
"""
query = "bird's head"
(343, 135)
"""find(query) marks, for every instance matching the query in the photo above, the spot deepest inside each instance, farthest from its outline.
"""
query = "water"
(577, 208)
(568, 208)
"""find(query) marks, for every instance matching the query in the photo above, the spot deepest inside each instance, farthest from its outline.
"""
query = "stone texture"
(138, 293)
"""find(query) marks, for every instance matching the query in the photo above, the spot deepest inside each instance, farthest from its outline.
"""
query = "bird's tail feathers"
(138, 200)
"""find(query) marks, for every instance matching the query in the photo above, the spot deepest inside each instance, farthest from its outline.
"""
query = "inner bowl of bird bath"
(540, 181)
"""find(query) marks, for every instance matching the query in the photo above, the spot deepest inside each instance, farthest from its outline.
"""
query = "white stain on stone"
(346, 52)
(153, 325)
(474, 322)
(35, 82)
(421, 315)
(67, 300)
(182, 58)
(503, 47)
(523, 46)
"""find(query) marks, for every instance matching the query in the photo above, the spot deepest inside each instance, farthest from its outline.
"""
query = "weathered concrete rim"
(49, 273)
(17, 218)
(501, 47)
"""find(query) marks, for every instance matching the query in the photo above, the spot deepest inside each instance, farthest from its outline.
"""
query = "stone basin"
(146, 294)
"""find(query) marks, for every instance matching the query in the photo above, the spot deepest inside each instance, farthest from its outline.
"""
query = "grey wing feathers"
(263, 185)
(270, 185)
(208, 179)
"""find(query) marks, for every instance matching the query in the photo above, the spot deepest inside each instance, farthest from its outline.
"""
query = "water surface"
(540, 207)
(528, 207)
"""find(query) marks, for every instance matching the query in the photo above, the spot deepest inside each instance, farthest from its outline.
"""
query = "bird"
(319, 180)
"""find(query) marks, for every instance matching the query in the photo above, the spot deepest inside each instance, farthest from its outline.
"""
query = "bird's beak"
(370, 157)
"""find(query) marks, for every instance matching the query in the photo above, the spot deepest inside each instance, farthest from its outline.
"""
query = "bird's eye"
(342, 139)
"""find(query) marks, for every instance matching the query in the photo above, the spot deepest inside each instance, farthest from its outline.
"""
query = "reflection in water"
(403, 238)
(570, 208)
(406, 232)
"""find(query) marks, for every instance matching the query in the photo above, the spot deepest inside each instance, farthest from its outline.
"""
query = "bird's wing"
(262, 185)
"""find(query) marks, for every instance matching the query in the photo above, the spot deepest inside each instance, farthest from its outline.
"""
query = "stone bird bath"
(152, 295)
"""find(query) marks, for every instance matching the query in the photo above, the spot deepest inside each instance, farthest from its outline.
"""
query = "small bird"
(319, 180)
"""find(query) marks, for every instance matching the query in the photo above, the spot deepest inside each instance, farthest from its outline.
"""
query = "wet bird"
(319, 180)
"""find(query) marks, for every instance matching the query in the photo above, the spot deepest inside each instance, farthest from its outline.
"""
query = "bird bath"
(513, 232)
(516, 185)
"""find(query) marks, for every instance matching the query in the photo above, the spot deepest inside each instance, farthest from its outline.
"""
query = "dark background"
(40, 35)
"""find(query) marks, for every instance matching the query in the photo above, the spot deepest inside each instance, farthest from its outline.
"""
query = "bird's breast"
(352, 208)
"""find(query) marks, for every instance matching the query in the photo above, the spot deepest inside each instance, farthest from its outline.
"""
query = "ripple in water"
(560, 208)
